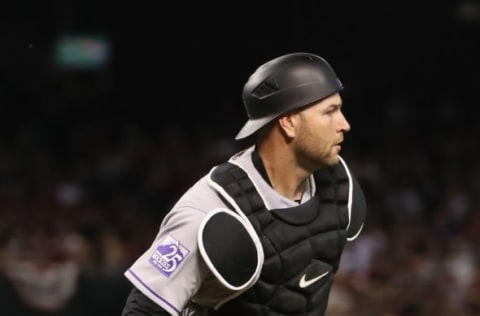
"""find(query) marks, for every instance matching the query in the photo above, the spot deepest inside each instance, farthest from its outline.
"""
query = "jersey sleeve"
(171, 270)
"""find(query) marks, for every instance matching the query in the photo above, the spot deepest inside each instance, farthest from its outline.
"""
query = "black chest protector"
(302, 245)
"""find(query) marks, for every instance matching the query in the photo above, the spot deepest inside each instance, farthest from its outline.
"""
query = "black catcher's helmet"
(283, 84)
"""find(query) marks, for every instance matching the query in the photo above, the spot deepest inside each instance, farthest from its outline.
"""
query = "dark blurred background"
(109, 111)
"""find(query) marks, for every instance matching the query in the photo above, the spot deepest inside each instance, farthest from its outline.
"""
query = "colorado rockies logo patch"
(168, 256)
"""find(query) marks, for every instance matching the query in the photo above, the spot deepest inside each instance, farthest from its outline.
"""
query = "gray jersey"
(172, 271)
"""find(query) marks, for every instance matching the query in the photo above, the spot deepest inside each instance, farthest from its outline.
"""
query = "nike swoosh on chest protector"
(304, 283)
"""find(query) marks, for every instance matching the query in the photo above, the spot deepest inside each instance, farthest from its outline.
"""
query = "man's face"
(319, 131)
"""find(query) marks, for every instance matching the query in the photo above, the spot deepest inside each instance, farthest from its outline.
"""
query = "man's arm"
(138, 304)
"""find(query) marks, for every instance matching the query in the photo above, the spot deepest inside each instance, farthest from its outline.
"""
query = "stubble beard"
(313, 157)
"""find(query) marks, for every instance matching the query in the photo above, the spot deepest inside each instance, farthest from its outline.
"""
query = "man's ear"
(287, 123)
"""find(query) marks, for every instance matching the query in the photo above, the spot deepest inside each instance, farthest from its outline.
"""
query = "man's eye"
(331, 111)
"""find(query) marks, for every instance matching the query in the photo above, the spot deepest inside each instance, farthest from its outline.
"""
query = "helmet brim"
(253, 125)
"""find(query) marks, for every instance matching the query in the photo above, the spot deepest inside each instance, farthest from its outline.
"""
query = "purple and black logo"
(168, 256)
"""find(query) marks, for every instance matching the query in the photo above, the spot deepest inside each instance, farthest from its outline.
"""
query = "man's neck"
(281, 176)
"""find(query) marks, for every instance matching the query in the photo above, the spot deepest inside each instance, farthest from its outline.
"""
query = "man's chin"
(330, 162)
(333, 161)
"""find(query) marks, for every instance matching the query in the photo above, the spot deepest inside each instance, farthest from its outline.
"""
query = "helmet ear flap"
(286, 83)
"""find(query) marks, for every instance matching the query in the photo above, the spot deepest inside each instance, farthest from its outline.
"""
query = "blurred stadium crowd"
(81, 198)
(90, 163)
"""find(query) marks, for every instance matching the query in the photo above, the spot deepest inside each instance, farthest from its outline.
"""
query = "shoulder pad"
(231, 249)
(357, 205)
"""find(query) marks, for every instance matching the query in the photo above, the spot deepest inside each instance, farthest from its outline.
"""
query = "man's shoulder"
(203, 195)
(200, 195)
